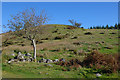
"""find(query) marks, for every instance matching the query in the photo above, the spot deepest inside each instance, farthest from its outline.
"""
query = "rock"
(31, 59)
(56, 60)
(49, 61)
(48, 65)
(12, 60)
(20, 57)
(19, 53)
(62, 59)
(43, 60)
(98, 75)
(9, 62)
(28, 59)
(24, 60)
(16, 60)
(13, 54)
(28, 54)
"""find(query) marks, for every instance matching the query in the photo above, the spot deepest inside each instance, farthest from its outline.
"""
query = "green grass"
(36, 70)
(48, 47)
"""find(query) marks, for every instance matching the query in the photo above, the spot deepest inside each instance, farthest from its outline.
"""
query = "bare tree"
(74, 23)
(28, 21)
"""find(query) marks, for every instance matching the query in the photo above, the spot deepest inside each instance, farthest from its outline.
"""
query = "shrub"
(60, 37)
(112, 33)
(55, 50)
(71, 64)
(45, 39)
(76, 43)
(102, 33)
(16, 51)
(75, 37)
(22, 44)
(88, 33)
(8, 43)
(117, 57)
(54, 31)
(105, 62)
(38, 41)
(74, 23)
(71, 27)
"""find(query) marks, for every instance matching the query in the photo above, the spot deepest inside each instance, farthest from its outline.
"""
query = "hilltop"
(54, 42)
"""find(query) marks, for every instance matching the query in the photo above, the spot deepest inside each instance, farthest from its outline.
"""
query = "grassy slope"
(87, 42)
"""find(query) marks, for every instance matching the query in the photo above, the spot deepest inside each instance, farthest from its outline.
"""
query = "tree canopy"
(27, 18)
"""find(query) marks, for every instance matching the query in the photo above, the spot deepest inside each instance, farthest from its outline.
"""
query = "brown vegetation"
(73, 63)
(71, 27)
(105, 62)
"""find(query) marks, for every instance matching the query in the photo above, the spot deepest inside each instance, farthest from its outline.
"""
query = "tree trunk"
(34, 46)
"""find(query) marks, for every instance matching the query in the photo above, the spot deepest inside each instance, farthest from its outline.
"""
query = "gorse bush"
(105, 62)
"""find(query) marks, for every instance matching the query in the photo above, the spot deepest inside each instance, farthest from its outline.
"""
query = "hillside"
(56, 42)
